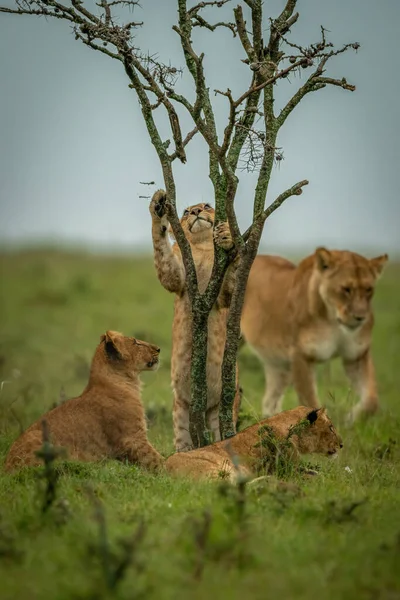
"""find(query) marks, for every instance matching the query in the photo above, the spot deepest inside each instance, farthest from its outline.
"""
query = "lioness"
(295, 317)
(197, 222)
(217, 460)
(107, 420)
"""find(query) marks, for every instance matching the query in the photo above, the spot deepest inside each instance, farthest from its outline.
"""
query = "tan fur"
(295, 317)
(107, 420)
(215, 461)
(197, 222)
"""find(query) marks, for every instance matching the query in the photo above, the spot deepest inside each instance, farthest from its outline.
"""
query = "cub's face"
(197, 222)
(321, 436)
(129, 354)
(347, 282)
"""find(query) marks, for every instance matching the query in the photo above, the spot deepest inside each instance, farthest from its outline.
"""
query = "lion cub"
(107, 420)
(216, 461)
(198, 224)
(297, 316)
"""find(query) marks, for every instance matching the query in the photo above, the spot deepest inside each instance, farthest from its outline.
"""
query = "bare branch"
(295, 190)
(94, 46)
(185, 142)
(200, 22)
(195, 9)
(269, 81)
(314, 83)
(244, 38)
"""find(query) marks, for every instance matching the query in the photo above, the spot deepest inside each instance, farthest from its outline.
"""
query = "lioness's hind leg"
(277, 380)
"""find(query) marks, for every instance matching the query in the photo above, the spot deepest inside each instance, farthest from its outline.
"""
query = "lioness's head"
(128, 355)
(346, 284)
(197, 222)
(320, 436)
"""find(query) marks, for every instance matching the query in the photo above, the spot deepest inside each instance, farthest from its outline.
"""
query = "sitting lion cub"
(107, 420)
(216, 461)
(297, 316)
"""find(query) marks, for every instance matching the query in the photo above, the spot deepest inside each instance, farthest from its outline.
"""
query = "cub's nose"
(195, 211)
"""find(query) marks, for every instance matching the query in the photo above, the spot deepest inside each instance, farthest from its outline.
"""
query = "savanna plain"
(114, 530)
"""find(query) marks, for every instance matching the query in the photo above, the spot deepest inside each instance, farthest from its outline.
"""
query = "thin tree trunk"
(198, 376)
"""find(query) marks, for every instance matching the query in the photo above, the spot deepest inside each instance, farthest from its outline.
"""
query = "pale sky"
(74, 146)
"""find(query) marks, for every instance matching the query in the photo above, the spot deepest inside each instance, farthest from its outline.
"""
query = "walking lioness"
(295, 317)
(107, 420)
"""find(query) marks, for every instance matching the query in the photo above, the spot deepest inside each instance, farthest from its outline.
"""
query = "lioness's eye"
(207, 206)
(185, 213)
(346, 290)
(368, 290)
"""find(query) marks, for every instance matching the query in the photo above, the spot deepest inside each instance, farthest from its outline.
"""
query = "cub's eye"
(368, 291)
(207, 206)
(346, 290)
(331, 428)
(185, 213)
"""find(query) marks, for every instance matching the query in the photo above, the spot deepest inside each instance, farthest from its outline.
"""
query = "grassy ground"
(332, 536)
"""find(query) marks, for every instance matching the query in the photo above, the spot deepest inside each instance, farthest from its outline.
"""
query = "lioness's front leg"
(361, 373)
(304, 380)
(168, 264)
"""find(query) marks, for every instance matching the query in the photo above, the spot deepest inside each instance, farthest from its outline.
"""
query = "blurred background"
(74, 147)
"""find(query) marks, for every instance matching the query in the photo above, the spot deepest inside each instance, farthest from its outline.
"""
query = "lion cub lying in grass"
(306, 431)
(107, 420)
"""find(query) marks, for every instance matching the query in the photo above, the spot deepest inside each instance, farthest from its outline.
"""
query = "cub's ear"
(114, 342)
(313, 415)
(378, 263)
(324, 258)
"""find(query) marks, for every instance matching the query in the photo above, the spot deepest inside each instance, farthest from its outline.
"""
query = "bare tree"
(250, 136)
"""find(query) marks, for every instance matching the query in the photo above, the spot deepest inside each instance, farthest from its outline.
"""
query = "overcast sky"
(74, 147)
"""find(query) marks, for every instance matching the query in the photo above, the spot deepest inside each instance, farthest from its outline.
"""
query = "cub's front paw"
(157, 204)
(222, 236)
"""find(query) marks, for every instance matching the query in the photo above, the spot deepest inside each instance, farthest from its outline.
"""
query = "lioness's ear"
(324, 258)
(114, 344)
(378, 263)
(313, 415)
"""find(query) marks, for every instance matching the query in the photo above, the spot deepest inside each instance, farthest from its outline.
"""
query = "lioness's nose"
(195, 211)
(359, 318)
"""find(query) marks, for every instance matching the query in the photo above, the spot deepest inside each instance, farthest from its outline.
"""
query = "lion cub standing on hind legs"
(107, 420)
(197, 223)
(295, 317)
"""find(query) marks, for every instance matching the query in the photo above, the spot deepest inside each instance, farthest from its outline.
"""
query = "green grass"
(307, 540)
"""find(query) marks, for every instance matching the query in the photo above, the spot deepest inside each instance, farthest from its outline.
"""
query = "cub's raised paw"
(157, 204)
(222, 236)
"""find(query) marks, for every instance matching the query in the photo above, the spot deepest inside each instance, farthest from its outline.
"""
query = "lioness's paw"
(222, 236)
(157, 204)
